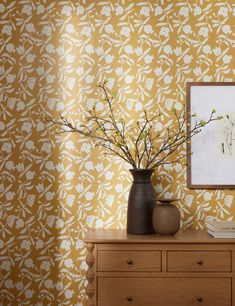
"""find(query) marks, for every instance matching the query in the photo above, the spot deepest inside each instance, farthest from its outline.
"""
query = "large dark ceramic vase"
(141, 203)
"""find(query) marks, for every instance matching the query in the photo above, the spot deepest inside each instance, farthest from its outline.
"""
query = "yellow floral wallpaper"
(54, 187)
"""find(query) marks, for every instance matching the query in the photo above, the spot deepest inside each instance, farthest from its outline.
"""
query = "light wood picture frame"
(211, 153)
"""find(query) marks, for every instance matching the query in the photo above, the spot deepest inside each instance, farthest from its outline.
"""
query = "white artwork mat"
(213, 150)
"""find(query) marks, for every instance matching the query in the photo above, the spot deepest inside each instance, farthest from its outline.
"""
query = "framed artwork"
(211, 153)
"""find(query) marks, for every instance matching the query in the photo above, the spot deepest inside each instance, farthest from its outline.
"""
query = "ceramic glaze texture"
(53, 187)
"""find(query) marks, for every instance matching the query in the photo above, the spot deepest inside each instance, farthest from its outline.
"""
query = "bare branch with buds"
(139, 144)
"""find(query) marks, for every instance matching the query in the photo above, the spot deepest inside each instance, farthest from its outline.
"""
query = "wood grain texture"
(129, 261)
(164, 292)
(165, 246)
(164, 261)
(120, 236)
(91, 275)
(233, 291)
(199, 261)
(233, 278)
(167, 274)
(233, 261)
(164, 270)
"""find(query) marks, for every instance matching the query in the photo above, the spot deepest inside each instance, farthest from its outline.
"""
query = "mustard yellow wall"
(54, 187)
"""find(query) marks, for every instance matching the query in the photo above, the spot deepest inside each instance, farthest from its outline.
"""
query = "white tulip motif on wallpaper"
(149, 49)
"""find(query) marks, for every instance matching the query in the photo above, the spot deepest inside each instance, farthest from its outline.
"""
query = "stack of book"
(220, 229)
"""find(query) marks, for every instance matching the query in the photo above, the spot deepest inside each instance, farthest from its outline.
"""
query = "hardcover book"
(220, 234)
(217, 225)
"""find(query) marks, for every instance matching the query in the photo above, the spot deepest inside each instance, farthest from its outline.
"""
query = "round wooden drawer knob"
(199, 262)
(129, 298)
(129, 261)
(199, 299)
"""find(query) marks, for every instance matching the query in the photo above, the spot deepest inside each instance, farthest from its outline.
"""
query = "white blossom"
(27, 9)
(119, 10)
(2, 8)
(66, 10)
(80, 10)
(40, 9)
(29, 293)
(106, 10)
(65, 244)
(125, 31)
(109, 175)
(223, 11)
(109, 28)
(158, 10)
(197, 11)
(164, 31)
(89, 196)
(128, 49)
(148, 29)
(30, 27)
(45, 265)
(68, 263)
(184, 11)
(203, 31)
(145, 11)
(26, 245)
(207, 196)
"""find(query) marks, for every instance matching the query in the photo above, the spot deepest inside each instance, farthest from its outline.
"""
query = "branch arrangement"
(139, 144)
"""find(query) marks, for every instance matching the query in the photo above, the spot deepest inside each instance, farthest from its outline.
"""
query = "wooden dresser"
(190, 268)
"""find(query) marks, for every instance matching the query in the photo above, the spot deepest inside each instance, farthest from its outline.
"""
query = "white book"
(218, 225)
(220, 229)
(221, 234)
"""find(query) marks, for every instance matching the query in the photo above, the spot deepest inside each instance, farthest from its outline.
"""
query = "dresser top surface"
(121, 236)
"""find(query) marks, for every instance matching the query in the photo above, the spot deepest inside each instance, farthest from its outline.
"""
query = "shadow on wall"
(41, 249)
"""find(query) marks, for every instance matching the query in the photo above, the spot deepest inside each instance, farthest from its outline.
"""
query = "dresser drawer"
(129, 261)
(164, 291)
(199, 261)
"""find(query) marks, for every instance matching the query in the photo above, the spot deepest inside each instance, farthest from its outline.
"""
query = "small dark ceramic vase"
(166, 218)
(141, 203)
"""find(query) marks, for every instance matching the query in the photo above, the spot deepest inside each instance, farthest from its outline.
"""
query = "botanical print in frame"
(211, 153)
